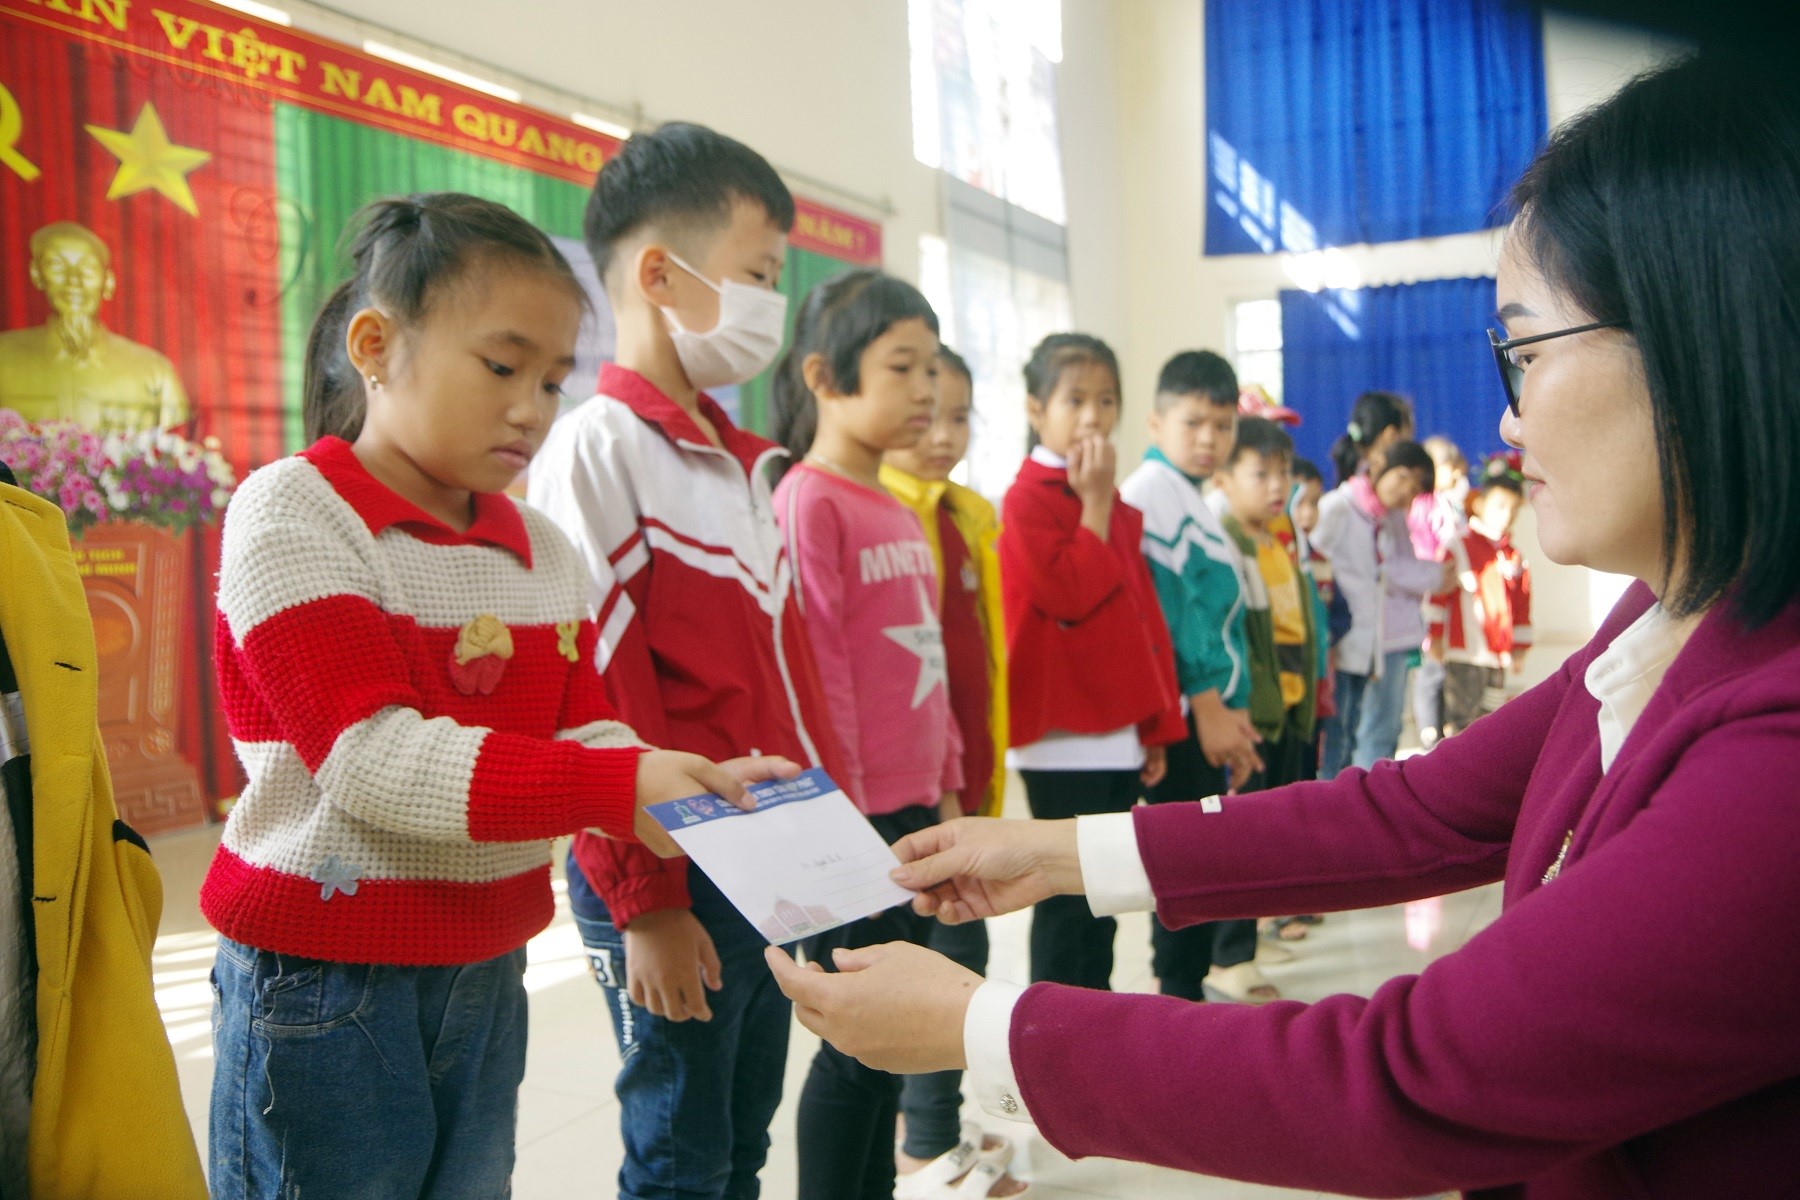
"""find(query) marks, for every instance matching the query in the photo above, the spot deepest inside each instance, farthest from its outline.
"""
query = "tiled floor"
(568, 1120)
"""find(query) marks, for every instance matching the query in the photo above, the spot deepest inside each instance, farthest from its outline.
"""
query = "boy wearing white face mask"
(701, 644)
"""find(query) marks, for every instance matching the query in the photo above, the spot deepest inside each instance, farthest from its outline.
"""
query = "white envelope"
(803, 861)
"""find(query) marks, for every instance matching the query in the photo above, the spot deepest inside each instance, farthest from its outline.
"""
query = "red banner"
(835, 233)
(326, 76)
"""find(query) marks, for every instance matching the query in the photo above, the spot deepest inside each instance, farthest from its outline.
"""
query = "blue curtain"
(1426, 341)
(1336, 122)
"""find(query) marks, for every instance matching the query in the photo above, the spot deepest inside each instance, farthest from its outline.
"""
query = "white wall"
(1179, 299)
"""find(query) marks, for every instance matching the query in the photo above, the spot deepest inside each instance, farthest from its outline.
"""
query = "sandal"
(1241, 984)
(968, 1171)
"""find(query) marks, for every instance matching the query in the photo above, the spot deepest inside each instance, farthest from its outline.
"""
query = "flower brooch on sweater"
(483, 648)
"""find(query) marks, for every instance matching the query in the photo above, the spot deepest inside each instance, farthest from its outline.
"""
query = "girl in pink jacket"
(859, 380)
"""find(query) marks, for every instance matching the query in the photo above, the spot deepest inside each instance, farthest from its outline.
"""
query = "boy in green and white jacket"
(1199, 577)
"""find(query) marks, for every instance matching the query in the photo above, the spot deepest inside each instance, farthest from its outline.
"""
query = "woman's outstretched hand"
(896, 1007)
(982, 867)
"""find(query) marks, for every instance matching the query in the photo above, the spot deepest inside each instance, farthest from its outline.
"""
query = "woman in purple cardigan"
(1630, 1025)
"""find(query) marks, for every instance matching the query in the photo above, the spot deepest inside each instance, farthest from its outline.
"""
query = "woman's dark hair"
(406, 251)
(1259, 435)
(1671, 207)
(1371, 415)
(957, 363)
(840, 319)
(1403, 456)
(1056, 354)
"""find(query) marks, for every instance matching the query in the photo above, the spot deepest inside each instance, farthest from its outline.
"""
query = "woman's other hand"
(982, 867)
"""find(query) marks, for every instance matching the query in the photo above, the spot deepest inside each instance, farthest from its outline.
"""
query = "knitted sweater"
(418, 713)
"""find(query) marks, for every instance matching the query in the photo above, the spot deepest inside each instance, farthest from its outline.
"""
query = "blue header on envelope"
(697, 810)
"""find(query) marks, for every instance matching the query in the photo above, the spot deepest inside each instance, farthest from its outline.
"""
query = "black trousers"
(1069, 944)
(845, 1120)
(1182, 957)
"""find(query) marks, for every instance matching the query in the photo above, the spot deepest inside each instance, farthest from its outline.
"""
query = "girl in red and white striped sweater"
(406, 660)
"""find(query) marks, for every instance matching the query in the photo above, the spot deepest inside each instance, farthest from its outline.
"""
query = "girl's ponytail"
(332, 397)
(1373, 414)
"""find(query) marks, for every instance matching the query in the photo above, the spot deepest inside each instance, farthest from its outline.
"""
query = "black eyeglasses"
(1512, 375)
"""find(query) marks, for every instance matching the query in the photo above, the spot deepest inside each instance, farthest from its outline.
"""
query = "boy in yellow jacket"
(106, 1119)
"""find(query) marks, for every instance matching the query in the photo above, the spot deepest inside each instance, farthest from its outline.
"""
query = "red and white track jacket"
(1489, 615)
(701, 645)
(417, 712)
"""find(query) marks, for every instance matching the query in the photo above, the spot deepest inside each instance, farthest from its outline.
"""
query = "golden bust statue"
(72, 367)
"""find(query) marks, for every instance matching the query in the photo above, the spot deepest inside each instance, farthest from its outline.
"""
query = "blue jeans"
(1370, 713)
(695, 1097)
(932, 1104)
(354, 1081)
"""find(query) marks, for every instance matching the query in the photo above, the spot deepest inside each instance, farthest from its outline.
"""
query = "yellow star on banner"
(147, 159)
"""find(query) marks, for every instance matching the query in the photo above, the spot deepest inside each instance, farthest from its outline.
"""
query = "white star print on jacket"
(868, 592)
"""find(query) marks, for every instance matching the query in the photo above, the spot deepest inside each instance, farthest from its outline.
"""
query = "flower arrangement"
(154, 477)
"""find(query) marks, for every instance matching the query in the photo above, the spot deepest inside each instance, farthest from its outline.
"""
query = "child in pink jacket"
(859, 380)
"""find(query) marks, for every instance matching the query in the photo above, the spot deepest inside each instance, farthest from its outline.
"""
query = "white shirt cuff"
(1112, 870)
(987, 1045)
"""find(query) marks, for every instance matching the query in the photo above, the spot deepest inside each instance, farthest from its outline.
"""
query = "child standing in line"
(938, 1149)
(1303, 517)
(703, 648)
(1436, 522)
(858, 381)
(1362, 530)
(1281, 619)
(406, 661)
(1484, 626)
(1195, 570)
(1091, 676)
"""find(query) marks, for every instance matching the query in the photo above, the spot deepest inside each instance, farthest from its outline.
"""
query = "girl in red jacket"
(1090, 667)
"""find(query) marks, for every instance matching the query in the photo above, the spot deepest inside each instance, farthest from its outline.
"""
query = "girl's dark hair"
(840, 319)
(1371, 415)
(1410, 455)
(955, 362)
(405, 252)
(1671, 207)
(1056, 354)
(1060, 351)
(1303, 471)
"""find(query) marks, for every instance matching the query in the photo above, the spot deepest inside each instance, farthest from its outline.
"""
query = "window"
(984, 96)
(1256, 344)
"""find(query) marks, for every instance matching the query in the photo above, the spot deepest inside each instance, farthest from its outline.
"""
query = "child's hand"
(664, 775)
(670, 964)
(1517, 660)
(1227, 738)
(1156, 765)
(1452, 577)
(1093, 464)
(1436, 649)
(949, 807)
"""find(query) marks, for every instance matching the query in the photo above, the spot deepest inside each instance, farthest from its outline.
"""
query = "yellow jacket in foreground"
(106, 1114)
(976, 520)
